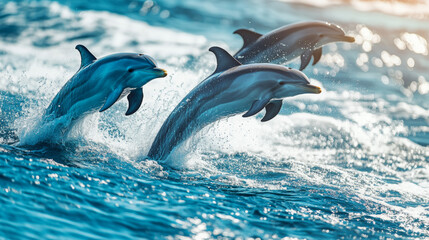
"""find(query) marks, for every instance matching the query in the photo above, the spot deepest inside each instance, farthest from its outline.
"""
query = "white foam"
(407, 111)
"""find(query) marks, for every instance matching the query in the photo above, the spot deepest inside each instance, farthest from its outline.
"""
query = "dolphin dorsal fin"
(85, 55)
(224, 60)
(248, 36)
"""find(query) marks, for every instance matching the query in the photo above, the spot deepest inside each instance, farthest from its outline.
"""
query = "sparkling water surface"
(351, 162)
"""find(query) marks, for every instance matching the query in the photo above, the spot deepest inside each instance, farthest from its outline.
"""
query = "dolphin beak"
(348, 39)
(311, 88)
(161, 72)
(342, 38)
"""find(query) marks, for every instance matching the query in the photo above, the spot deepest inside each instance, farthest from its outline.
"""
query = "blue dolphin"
(289, 42)
(96, 86)
(99, 83)
(232, 89)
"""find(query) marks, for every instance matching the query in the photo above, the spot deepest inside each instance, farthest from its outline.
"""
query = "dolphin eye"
(282, 83)
(130, 70)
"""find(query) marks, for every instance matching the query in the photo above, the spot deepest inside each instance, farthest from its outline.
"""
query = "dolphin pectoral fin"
(317, 54)
(224, 60)
(111, 99)
(86, 56)
(135, 99)
(256, 107)
(305, 59)
(272, 109)
(248, 36)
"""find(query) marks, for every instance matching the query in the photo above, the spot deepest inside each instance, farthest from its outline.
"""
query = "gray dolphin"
(288, 42)
(233, 88)
(98, 84)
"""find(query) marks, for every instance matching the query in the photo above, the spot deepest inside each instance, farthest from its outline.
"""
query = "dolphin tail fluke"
(272, 109)
(305, 59)
(86, 56)
(111, 99)
(256, 107)
(135, 99)
(317, 54)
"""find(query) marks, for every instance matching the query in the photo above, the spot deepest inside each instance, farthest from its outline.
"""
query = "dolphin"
(233, 88)
(283, 44)
(99, 83)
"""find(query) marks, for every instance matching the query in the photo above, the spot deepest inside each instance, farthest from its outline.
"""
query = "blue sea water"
(352, 162)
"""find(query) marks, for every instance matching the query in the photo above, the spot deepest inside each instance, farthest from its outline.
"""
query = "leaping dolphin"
(98, 84)
(233, 88)
(288, 42)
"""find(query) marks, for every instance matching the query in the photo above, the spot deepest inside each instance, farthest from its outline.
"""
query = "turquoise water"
(352, 162)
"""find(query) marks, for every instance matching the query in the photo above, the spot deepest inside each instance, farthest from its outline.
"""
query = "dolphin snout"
(348, 39)
(161, 72)
(311, 88)
(341, 38)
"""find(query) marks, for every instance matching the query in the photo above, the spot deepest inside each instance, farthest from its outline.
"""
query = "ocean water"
(351, 162)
